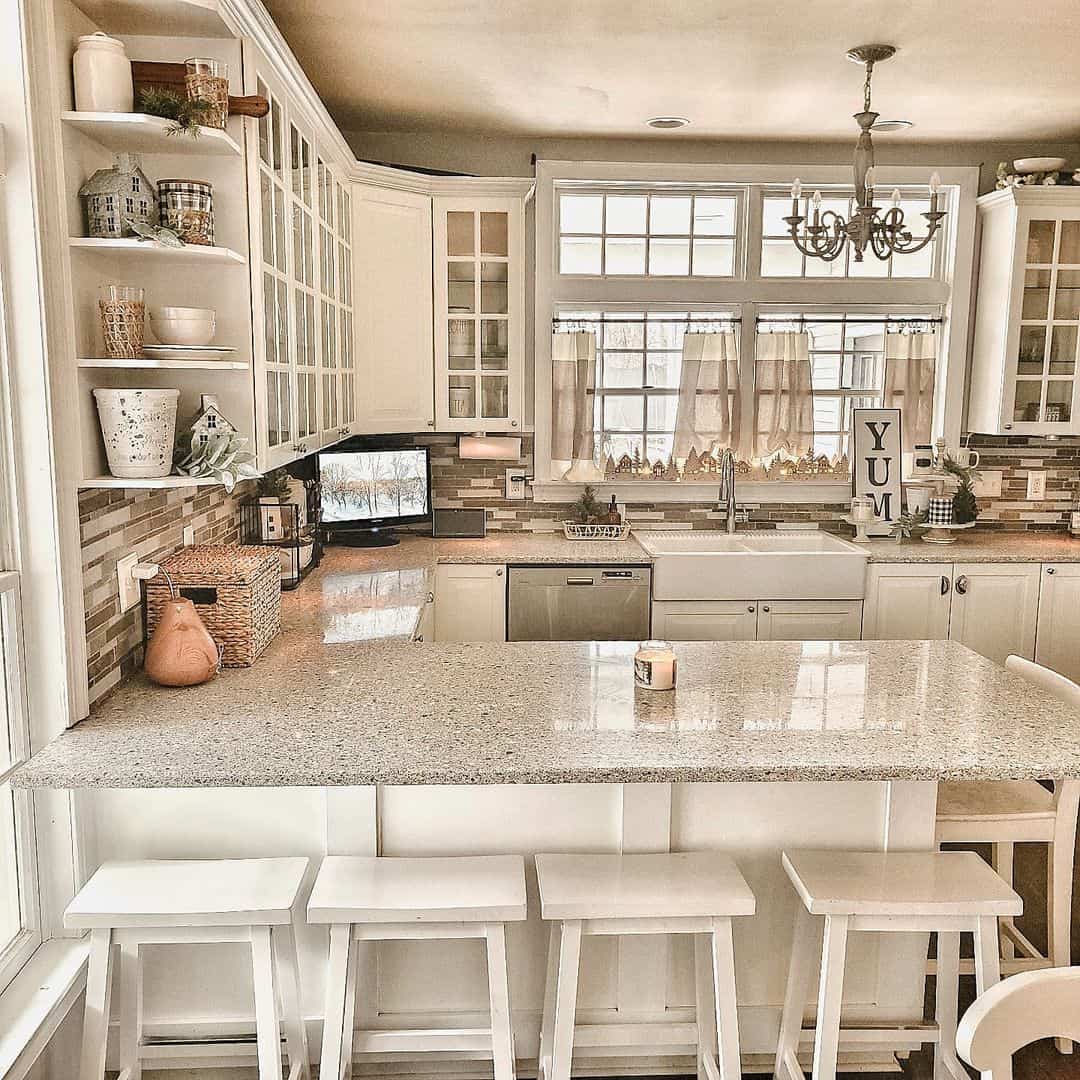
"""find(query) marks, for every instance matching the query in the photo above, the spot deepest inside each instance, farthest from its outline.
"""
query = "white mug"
(967, 458)
(918, 497)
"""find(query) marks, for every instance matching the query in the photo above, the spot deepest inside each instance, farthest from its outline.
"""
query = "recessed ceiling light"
(665, 123)
(892, 125)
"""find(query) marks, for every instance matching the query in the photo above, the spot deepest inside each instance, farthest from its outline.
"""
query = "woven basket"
(574, 530)
(236, 590)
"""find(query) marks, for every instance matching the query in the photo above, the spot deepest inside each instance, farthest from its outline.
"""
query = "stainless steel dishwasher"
(578, 603)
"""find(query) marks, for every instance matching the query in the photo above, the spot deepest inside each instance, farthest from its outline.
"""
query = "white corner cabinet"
(1057, 638)
(1027, 320)
(757, 620)
(992, 608)
(470, 602)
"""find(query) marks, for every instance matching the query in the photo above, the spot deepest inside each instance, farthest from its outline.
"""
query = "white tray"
(944, 532)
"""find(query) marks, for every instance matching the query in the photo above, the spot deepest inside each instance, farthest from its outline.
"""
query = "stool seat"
(924, 883)
(682, 884)
(362, 889)
(994, 800)
(195, 892)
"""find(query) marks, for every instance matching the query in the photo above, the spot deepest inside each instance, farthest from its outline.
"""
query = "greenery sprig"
(187, 115)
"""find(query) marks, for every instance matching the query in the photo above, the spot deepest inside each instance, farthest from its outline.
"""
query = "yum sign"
(876, 464)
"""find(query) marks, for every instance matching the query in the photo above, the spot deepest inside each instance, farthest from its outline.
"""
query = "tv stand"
(364, 538)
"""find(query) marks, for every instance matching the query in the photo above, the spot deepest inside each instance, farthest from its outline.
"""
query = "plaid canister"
(187, 207)
(940, 511)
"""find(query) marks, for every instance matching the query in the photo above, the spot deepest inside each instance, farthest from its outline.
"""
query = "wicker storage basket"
(236, 591)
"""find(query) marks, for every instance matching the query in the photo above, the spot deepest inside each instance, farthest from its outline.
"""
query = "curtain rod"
(864, 320)
(698, 320)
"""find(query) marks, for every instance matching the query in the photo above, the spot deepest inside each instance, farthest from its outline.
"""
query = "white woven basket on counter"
(576, 531)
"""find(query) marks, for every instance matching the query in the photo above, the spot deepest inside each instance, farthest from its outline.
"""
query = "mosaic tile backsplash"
(152, 523)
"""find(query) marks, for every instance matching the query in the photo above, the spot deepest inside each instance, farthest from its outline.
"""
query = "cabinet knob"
(944, 585)
(766, 609)
(1050, 570)
(431, 423)
(750, 608)
(419, 637)
(513, 423)
(962, 584)
(498, 573)
(1008, 427)
(431, 598)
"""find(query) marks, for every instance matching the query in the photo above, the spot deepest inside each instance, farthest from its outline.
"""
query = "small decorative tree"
(586, 508)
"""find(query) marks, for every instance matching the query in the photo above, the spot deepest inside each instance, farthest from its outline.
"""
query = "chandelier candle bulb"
(896, 198)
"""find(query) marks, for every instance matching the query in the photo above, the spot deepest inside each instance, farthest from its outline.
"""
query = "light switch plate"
(189, 535)
(130, 593)
(988, 483)
(515, 483)
(1036, 484)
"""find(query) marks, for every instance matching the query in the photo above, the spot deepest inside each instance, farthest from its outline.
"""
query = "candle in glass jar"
(655, 666)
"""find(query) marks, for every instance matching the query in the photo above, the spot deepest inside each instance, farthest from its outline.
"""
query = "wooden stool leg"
(705, 1000)
(830, 994)
(727, 1015)
(288, 979)
(334, 1013)
(267, 1025)
(348, 1016)
(800, 975)
(562, 1047)
(547, 1024)
(131, 1006)
(1002, 861)
(502, 1039)
(988, 971)
(946, 1064)
(96, 1014)
(1059, 886)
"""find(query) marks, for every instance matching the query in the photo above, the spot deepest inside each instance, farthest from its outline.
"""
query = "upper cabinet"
(1024, 363)
(479, 290)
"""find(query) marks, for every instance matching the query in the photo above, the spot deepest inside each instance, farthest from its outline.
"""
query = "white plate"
(187, 352)
(1028, 165)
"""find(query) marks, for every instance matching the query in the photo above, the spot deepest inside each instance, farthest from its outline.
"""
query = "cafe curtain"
(573, 382)
(910, 368)
(783, 394)
(707, 417)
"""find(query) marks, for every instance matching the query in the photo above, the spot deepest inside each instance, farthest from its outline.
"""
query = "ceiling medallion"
(885, 233)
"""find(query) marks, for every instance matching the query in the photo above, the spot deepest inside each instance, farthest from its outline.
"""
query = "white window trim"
(747, 293)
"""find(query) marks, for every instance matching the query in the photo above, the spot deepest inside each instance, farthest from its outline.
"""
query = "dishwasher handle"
(580, 581)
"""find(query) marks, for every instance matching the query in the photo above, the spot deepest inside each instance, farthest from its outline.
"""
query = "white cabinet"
(990, 607)
(1057, 642)
(479, 289)
(1027, 325)
(757, 620)
(809, 620)
(470, 603)
(707, 620)
(394, 355)
(995, 608)
(906, 601)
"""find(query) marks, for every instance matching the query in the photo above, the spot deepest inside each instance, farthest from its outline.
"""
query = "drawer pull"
(962, 585)
(944, 585)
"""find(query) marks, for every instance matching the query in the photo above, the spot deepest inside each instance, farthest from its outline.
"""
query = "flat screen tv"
(365, 493)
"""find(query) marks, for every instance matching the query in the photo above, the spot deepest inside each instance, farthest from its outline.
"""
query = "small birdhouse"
(208, 424)
(114, 198)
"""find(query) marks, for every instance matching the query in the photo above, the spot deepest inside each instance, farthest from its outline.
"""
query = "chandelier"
(885, 232)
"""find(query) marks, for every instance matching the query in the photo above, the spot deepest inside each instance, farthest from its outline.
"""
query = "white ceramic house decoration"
(114, 198)
(208, 423)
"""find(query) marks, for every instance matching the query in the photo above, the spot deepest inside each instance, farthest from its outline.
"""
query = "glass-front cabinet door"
(1043, 394)
(479, 313)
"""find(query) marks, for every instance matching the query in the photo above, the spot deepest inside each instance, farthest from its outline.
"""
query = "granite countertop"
(982, 545)
(568, 712)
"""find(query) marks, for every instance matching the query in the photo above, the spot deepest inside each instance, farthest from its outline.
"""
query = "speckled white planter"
(138, 427)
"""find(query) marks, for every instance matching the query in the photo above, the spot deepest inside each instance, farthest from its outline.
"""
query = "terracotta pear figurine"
(181, 651)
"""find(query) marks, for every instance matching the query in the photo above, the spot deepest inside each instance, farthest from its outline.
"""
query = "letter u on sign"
(876, 463)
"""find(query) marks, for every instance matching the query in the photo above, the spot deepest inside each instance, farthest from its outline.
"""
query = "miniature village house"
(208, 423)
(115, 198)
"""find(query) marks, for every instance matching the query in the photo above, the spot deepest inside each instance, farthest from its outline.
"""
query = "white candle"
(655, 666)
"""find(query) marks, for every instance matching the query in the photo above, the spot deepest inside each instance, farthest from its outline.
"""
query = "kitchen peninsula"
(347, 737)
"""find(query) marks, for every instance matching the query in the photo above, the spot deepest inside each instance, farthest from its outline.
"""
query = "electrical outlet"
(988, 484)
(1036, 485)
(189, 535)
(130, 593)
(515, 483)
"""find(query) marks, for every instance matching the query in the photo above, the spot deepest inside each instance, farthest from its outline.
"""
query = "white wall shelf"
(145, 363)
(148, 249)
(140, 133)
(174, 481)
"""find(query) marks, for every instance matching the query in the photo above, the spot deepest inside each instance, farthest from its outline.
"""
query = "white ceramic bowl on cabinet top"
(183, 326)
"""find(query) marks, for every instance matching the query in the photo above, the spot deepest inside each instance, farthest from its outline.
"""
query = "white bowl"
(183, 331)
(182, 313)
(1028, 165)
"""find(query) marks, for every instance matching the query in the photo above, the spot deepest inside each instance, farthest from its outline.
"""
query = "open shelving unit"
(189, 276)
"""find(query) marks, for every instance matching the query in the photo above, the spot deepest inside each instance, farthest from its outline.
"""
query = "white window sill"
(35, 1002)
(667, 491)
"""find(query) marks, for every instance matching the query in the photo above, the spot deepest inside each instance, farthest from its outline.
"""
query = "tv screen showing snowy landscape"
(372, 484)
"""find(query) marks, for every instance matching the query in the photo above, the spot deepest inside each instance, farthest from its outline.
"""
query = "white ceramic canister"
(138, 427)
(102, 75)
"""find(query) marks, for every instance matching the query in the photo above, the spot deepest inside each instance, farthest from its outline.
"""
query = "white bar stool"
(947, 893)
(130, 904)
(1008, 812)
(678, 893)
(394, 899)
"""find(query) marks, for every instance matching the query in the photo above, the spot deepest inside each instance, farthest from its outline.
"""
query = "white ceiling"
(770, 69)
